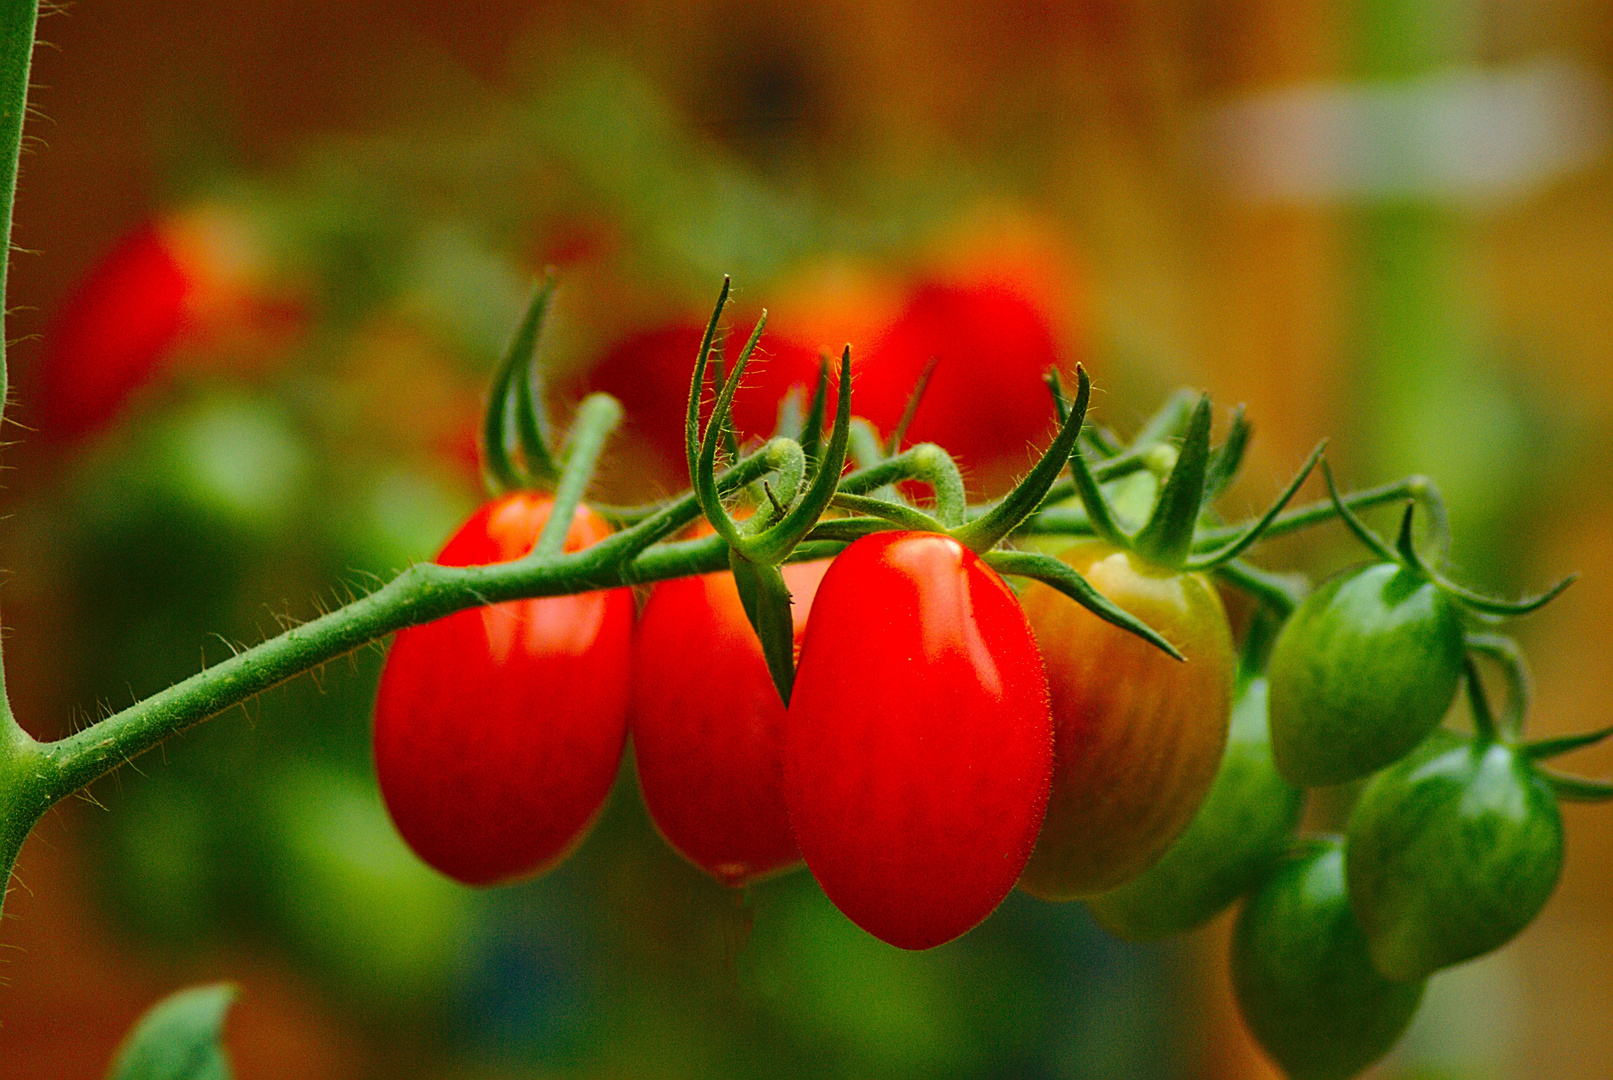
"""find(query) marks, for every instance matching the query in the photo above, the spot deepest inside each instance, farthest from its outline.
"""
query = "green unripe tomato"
(1361, 673)
(1243, 826)
(1304, 982)
(1450, 853)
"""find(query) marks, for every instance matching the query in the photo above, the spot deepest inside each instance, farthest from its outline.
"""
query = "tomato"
(1303, 980)
(918, 744)
(499, 730)
(168, 280)
(1139, 735)
(1362, 671)
(986, 403)
(1450, 852)
(708, 725)
(649, 373)
(112, 333)
(1243, 826)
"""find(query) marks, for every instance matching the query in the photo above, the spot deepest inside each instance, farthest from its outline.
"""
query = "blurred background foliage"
(273, 250)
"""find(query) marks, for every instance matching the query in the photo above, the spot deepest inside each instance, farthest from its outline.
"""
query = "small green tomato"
(1303, 980)
(1362, 671)
(1450, 853)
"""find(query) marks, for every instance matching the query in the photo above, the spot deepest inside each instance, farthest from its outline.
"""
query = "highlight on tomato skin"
(499, 730)
(918, 746)
(708, 726)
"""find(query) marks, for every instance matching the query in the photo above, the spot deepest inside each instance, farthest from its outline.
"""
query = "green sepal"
(1489, 605)
(705, 484)
(1059, 575)
(1282, 593)
(766, 600)
(1544, 749)
(1102, 440)
(697, 386)
(812, 426)
(1362, 533)
(1484, 727)
(898, 514)
(894, 441)
(1167, 538)
(1505, 652)
(1055, 387)
(983, 533)
(1569, 788)
(774, 544)
(1405, 543)
(1226, 459)
(179, 1038)
(514, 371)
(1239, 544)
(531, 422)
(1099, 518)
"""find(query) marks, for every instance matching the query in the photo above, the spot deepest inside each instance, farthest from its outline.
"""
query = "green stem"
(23, 800)
(597, 417)
(1318, 513)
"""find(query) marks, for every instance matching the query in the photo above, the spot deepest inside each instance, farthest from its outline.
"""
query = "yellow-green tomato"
(1245, 824)
(1138, 735)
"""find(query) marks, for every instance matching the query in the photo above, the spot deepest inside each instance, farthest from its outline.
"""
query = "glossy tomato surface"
(499, 730)
(1302, 977)
(708, 725)
(1362, 671)
(918, 747)
(1139, 735)
(1450, 852)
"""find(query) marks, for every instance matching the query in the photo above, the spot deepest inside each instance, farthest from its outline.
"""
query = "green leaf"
(179, 1038)
(1227, 457)
(767, 604)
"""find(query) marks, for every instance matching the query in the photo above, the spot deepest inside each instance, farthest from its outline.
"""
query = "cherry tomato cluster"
(924, 737)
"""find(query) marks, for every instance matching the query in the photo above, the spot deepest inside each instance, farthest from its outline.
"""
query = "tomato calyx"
(1192, 480)
(1406, 554)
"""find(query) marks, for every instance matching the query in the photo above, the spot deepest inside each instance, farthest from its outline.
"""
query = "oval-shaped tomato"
(1139, 735)
(1449, 853)
(918, 745)
(708, 725)
(1361, 672)
(986, 402)
(112, 333)
(1302, 977)
(499, 730)
(1246, 822)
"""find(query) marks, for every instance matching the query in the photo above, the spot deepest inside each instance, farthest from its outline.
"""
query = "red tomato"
(112, 332)
(919, 745)
(708, 725)
(649, 374)
(499, 730)
(986, 403)
(1139, 735)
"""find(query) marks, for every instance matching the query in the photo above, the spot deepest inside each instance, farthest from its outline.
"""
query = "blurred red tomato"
(118, 328)
(986, 402)
(111, 334)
